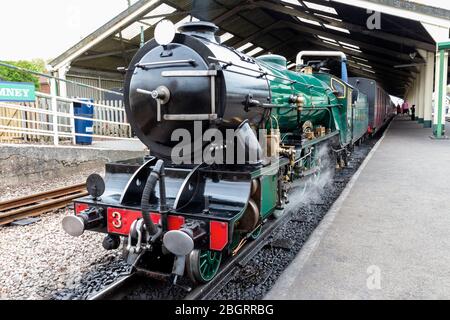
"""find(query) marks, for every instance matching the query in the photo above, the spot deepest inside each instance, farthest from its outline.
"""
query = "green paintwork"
(209, 264)
(435, 133)
(442, 47)
(317, 94)
(270, 170)
(257, 233)
(269, 185)
(342, 112)
(310, 143)
(328, 102)
(360, 116)
(268, 175)
(351, 117)
(322, 107)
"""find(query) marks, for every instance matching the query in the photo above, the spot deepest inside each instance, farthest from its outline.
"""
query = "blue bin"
(85, 110)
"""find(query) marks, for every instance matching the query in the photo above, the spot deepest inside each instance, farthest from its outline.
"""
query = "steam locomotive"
(180, 213)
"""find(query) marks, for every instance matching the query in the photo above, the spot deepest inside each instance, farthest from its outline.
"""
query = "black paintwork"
(189, 95)
(205, 193)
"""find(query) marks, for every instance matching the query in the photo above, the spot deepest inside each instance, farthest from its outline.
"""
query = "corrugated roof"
(275, 26)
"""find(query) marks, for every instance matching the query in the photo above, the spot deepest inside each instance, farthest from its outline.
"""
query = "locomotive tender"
(184, 219)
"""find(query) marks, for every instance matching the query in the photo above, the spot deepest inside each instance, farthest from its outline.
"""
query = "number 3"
(117, 222)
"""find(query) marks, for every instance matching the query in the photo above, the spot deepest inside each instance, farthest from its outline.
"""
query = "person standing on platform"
(405, 107)
(413, 112)
(399, 109)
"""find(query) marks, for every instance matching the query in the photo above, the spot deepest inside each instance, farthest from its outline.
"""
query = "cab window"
(338, 87)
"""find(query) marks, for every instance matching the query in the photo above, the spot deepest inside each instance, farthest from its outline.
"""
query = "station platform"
(28, 163)
(388, 235)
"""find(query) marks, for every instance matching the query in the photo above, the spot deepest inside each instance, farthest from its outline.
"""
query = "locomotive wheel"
(203, 265)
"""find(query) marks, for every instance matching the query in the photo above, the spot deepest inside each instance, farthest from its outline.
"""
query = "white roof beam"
(395, 10)
(123, 20)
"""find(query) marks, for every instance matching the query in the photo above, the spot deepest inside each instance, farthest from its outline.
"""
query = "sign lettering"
(17, 91)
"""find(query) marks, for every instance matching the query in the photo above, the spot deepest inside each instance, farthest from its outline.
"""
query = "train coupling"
(88, 219)
(139, 239)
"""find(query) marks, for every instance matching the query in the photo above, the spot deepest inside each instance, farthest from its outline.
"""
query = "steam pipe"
(162, 190)
(158, 173)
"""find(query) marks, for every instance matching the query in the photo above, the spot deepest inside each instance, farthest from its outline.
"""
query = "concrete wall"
(24, 164)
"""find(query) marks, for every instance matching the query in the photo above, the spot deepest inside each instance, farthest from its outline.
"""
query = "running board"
(190, 117)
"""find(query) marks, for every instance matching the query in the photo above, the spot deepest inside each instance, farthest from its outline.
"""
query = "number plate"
(120, 220)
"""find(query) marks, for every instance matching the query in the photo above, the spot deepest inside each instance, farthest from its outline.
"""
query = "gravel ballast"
(39, 259)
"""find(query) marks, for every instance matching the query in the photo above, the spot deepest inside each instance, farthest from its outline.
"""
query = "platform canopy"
(390, 53)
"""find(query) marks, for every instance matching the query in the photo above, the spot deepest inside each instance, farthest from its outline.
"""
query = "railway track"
(126, 284)
(40, 203)
(117, 290)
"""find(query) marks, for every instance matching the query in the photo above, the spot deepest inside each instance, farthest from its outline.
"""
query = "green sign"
(17, 91)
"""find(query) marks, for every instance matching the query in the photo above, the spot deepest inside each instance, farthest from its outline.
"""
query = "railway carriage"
(379, 101)
(184, 218)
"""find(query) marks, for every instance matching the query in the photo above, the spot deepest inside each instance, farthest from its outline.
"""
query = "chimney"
(202, 29)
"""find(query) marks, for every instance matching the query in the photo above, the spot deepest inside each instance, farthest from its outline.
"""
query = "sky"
(46, 28)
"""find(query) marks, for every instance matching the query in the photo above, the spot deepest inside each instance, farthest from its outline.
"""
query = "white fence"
(118, 126)
(51, 119)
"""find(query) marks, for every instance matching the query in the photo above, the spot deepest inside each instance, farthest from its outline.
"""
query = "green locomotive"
(179, 218)
(328, 101)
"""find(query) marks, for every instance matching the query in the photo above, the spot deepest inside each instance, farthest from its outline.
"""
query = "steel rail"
(117, 290)
(37, 204)
(20, 202)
